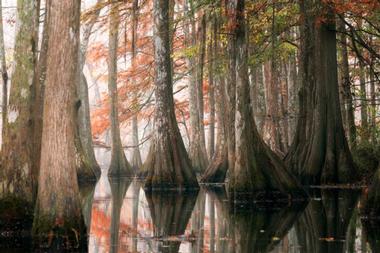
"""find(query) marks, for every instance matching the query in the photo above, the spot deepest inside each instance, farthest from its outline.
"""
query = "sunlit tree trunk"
(320, 153)
(168, 164)
(119, 165)
(17, 148)
(58, 201)
(258, 171)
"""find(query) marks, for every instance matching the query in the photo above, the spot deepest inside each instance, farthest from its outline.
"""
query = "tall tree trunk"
(38, 94)
(17, 149)
(346, 83)
(168, 164)
(197, 149)
(231, 86)
(119, 165)
(258, 172)
(217, 169)
(58, 202)
(84, 119)
(363, 98)
(320, 153)
(211, 90)
(4, 74)
(136, 156)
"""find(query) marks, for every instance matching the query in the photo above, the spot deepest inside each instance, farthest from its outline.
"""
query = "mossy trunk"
(258, 172)
(168, 166)
(58, 220)
(17, 179)
(320, 152)
(119, 166)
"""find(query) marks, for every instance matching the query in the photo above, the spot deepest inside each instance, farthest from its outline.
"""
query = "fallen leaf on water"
(327, 239)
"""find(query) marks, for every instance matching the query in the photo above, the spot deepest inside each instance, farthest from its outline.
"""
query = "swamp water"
(121, 217)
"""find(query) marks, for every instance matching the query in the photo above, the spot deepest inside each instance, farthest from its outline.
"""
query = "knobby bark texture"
(258, 172)
(58, 210)
(168, 164)
(320, 152)
(17, 149)
(119, 165)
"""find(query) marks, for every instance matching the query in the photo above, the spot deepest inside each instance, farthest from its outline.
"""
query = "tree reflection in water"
(125, 218)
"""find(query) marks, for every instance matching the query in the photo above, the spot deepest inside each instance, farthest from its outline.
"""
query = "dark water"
(123, 218)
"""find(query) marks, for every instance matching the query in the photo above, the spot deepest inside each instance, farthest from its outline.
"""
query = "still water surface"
(123, 218)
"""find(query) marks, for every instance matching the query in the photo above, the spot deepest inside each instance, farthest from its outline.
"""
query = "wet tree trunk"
(119, 165)
(17, 148)
(136, 161)
(58, 208)
(217, 169)
(168, 164)
(197, 149)
(346, 83)
(4, 74)
(258, 172)
(319, 153)
(84, 120)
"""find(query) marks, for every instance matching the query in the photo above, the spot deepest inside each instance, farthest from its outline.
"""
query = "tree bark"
(197, 149)
(168, 164)
(119, 165)
(217, 169)
(136, 156)
(211, 89)
(258, 173)
(320, 153)
(84, 119)
(4, 74)
(58, 210)
(346, 83)
(363, 98)
(17, 149)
